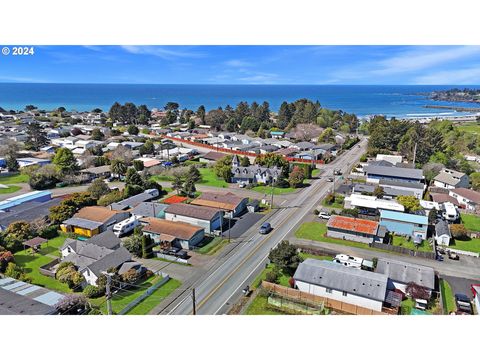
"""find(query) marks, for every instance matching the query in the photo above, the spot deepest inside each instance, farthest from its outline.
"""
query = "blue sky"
(409, 65)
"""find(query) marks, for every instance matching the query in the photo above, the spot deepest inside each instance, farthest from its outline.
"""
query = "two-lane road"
(214, 291)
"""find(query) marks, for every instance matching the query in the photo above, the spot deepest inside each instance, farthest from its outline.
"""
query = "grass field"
(10, 189)
(14, 179)
(472, 128)
(32, 263)
(210, 179)
(276, 190)
(124, 297)
(447, 295)
(283, 279)
(304, 256)
(213, 246)
(471, 222)
(403, 242)
(316, 231)
(259, 306)
(472, 245)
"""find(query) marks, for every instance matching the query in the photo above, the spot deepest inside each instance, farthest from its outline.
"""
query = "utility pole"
(194, 302)
(414, 154)
(108, 293)
(229, 225)
(271, 203)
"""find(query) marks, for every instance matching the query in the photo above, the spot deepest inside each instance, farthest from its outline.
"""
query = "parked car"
(265, 228)
(452, 255)
(324, 215)
(463, 304)
(330, 179)
(241, 185)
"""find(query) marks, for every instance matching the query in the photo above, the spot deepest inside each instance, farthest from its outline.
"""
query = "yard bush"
(459, 231)
(48, 232)
(16, 272)
(272, 275)
(93, 292)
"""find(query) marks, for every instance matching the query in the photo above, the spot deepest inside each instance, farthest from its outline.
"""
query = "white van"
(126, 226)
(450, 212)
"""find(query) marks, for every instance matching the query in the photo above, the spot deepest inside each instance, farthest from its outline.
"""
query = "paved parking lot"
(243, 224)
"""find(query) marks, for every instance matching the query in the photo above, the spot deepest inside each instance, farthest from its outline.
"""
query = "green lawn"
(403, 242)
(276, 190)
(447, 295)
(212, 246)
(315, 172)
(304, 256)
(260, 306)
(14, 179)
(10, 189)
(316, 231)
(32, 263)
(210, 179)
(472, 245)
(283, 280)
(337, 204)
(124, 297)
(472, 128)
(471, 222)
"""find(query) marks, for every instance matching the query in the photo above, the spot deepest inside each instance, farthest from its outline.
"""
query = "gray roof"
(450, 177)
(14, 304)
(406, 184)
(114, 259)
(149, 209)
(380, 163)
(193, 211)
(416, 174)
(105, 239)
(441, 228)
(86, 249)
(133, 201)
(404, 272)
(28, 212)
(128, 265)
(339, 277)
(83, 223)
(97, 170)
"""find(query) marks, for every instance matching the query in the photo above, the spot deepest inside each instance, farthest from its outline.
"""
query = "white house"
(470, 199)
(451, 179)
(208, 218)
(338, 282)
(401, 273)
(442, 233)
(393, 159)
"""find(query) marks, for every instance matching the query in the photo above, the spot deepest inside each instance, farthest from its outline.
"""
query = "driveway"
(242, 224)
(461, 285)
(176, 271)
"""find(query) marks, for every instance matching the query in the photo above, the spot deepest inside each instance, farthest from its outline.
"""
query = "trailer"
(126, 226)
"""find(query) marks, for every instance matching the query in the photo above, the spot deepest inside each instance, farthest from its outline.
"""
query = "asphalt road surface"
(222, 286)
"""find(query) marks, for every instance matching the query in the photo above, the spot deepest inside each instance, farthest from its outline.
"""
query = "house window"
(344, 293)
(328, 291)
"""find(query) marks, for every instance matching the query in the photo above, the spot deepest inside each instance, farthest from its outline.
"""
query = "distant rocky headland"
(456, 95)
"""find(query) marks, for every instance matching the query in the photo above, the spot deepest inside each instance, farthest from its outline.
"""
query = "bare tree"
(417, 291)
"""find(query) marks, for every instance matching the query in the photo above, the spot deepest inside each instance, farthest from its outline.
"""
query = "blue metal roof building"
(34, 196)
(404, 224)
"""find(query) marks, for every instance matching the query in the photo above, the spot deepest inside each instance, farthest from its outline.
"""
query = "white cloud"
(237, 63)
(162, 52)
(21, 79)
(423, 58)
(468, 76)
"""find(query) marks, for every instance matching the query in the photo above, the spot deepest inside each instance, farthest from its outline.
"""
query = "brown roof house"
(93, 220)
(173, 233)
(230, 203)
(209, 218)
(470, 199)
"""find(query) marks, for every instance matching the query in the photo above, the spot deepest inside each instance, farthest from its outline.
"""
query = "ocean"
(364, 100)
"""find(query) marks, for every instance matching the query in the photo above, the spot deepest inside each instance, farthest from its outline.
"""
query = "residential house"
(442, 233)
(467, 198)
(401, 273)
(98, 172)
(405, 224)
(92, 260)
(371, 203)
(208, 218)
(211, 157)
(393, 159)
(360, 230)
(388, 192)
(277, 134)
(93, 220)
(413, 188)
(451, 179)
(134, 200)
(338, 282)
(29, 161)
(173, 233)
(150, 209)
(376, 173)
(231, 204)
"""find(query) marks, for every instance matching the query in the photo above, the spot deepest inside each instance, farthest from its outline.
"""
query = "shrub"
(48, 232)
(16, 272)
(316, 212)
(459, 231)
(272, 276)
(93, 292)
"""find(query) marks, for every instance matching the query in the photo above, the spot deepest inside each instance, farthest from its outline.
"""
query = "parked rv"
(126, 226)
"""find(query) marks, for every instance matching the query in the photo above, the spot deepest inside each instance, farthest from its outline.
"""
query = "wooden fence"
(402, 250)
(237, 152)
(298, 295)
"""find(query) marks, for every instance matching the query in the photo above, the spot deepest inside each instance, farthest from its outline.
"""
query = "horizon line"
(209, 84)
